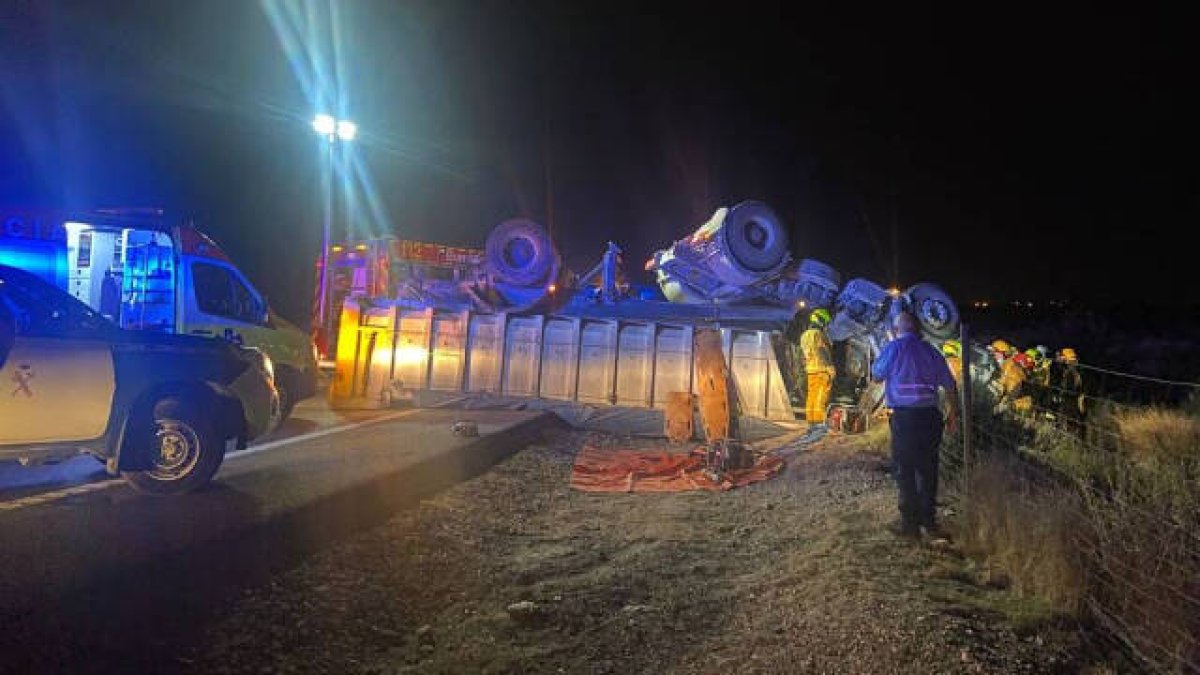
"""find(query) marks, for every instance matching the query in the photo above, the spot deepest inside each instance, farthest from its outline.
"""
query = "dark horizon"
(1003, 157)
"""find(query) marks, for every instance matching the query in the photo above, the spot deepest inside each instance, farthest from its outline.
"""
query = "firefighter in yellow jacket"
(818, 365)
(952, 350)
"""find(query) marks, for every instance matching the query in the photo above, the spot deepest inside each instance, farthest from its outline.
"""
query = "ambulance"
(145, 274)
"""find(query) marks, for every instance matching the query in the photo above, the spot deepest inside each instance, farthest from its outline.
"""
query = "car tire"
(182, 447)
(286, 383)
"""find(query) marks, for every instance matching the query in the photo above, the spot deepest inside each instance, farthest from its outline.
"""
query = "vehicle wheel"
(935, 311)
(755, 237)
(520, 252)
(182, 448)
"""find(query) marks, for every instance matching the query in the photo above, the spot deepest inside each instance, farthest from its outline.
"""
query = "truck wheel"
(935, 311)
(182, 448)
(520, 252)
(755, 237)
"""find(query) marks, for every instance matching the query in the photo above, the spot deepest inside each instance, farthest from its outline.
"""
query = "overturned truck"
(515, 327)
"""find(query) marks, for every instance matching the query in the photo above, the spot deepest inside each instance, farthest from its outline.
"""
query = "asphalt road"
(17, 481)
(93, 574)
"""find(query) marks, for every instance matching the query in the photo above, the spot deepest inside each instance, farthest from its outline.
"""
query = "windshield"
(41, 309)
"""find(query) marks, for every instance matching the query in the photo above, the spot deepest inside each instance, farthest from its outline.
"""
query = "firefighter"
(1039, 377)
(818, 366)
(952, 350)
(1000, 351)
(1066, 387)
(1011, 383)
(1019, 389)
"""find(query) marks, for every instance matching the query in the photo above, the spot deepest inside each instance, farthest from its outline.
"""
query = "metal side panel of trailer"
(394, 352)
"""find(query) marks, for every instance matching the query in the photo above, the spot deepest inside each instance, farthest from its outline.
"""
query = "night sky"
(1004, 152)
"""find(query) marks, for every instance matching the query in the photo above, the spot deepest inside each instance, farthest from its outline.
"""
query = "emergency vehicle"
(143, 274)
(159, 409)
(390, 268)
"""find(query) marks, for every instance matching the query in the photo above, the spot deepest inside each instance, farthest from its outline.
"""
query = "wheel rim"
(177, 448)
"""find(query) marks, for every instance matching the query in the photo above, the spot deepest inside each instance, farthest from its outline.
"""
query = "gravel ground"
(516, 572)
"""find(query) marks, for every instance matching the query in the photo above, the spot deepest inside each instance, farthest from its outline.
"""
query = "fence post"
(965, 400)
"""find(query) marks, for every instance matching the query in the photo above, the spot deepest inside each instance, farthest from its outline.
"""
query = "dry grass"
(1159, 439)
(1120, 547)
(1029, 534)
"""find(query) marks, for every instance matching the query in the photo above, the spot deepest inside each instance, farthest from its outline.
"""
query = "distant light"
(552, 288)
(801, 304)
(346, 130)
(360, 247)
(336, 248)
(1029, 304)
(325, 125)
(893, 291)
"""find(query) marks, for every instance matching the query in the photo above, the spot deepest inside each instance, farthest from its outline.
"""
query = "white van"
(144, 274)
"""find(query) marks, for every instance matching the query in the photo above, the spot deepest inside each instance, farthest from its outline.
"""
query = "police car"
(159, 409)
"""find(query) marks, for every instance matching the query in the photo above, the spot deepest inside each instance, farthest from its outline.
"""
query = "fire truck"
(414, 271)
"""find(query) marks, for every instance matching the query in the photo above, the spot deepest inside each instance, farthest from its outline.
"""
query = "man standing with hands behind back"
(912, 371)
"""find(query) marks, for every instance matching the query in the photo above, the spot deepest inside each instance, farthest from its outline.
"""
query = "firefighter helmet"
(1068, 355)
(952, 348)
(1024, 360)
(1001, 347)
(819, 318)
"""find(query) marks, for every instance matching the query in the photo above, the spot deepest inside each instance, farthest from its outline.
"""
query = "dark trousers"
(916, 436)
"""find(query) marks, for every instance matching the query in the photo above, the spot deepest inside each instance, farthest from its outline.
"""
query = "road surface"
(89, 567)
(16, 481)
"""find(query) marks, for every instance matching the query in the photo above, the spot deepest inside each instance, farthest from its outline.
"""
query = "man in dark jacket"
(913, 371)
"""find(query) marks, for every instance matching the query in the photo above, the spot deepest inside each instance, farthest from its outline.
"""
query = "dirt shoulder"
(796, 574)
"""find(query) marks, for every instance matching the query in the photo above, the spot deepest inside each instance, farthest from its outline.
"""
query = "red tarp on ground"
(598, 470)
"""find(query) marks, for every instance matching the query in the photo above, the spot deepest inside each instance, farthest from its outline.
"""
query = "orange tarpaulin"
(598, 470)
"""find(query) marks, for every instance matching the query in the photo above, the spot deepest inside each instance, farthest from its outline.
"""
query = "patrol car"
(157, 408)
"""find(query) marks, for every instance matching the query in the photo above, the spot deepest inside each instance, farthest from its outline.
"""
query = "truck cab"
(145, 275)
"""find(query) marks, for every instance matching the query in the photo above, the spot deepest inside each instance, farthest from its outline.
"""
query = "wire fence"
(1088, 487)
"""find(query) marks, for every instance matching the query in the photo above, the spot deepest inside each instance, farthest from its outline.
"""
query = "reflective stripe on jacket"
(912, 371)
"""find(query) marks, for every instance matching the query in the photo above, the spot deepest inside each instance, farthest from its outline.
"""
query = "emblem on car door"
(23, 375)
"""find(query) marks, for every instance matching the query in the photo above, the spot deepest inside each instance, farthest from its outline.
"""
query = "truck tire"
(182, 447)
(755, 237)
(935, 311)
(520, 252)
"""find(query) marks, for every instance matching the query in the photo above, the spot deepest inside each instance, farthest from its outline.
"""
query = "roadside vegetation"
(1102, 527)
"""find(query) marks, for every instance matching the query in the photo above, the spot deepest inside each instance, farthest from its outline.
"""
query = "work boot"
(905, 530)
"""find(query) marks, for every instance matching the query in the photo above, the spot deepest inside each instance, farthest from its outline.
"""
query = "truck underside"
(521, 328)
